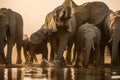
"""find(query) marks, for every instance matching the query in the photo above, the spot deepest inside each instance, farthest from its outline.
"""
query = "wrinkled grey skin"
(94, 13)
(38, 43)
(25, 45)
(11, 32)
(64, 26)
(88, 39)
(113, 24)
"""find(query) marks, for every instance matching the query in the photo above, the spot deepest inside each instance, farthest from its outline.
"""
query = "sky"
(34, 11)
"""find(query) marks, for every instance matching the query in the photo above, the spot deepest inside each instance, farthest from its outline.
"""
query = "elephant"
(25, 45)
(113, 25)
(38, 44)
(11, 32)
(62, 25)
(87, 40)
(94, 13)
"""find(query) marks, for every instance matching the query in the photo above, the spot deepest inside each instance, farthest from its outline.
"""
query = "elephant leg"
(25, 55)
(115, 53)
(18, 46)
(102, 51)
(9, 52)
(68, 55)
(77, 60)
(74, 53)
(28, 58)
(52, 54)
(54, 49)
(35, 58)
(45, 52)
(97, 57)
(31, 57)
(61, 48)
(2, 57)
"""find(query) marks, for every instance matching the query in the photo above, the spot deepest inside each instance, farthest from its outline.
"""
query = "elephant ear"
(38, 36)
(98, 12)
(34, 39)
(50, 21)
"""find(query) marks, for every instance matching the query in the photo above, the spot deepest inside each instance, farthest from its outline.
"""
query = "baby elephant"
(26, 48)
(38, 45)
(87, 41)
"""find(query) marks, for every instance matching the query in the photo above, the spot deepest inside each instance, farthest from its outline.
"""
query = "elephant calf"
(26, 48)
(38, 43)
(87, 39)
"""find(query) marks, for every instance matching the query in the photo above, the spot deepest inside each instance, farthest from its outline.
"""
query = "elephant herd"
(89, 27)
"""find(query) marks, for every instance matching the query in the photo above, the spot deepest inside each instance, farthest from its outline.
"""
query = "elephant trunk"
(67, 12)
(89, 45)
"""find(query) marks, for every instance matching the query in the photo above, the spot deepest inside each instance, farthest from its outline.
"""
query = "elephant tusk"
(110, 40)
(94, 48)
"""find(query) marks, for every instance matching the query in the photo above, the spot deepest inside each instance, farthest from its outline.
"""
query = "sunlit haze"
(34, 11)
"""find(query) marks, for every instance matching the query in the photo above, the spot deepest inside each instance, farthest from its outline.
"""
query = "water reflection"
(67, 74)
(11, 74)
(33, 73)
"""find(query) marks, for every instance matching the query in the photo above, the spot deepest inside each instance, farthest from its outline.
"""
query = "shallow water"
(35, 73)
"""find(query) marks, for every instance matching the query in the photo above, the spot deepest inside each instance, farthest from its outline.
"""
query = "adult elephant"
(11, 32)
(113, 25)
(62, 25)
(87, 40)
(94, 13)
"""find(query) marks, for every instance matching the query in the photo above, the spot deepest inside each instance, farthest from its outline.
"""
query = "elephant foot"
(85, 65)
(19, 62)
(2, 65)
(68, 62)
(73, 60)
(59, 63)
(26, 62)
(44, 63)
(77, 65)
(8, 62)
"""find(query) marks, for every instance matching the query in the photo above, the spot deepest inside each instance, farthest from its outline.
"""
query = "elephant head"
(114, 27)
(92, 12)
(88, 39)
(58, 18)
(39, 36)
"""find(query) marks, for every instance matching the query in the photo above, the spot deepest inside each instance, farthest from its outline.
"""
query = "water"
(69, 73)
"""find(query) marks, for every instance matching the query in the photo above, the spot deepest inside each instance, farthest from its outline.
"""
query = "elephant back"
(97, 12)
